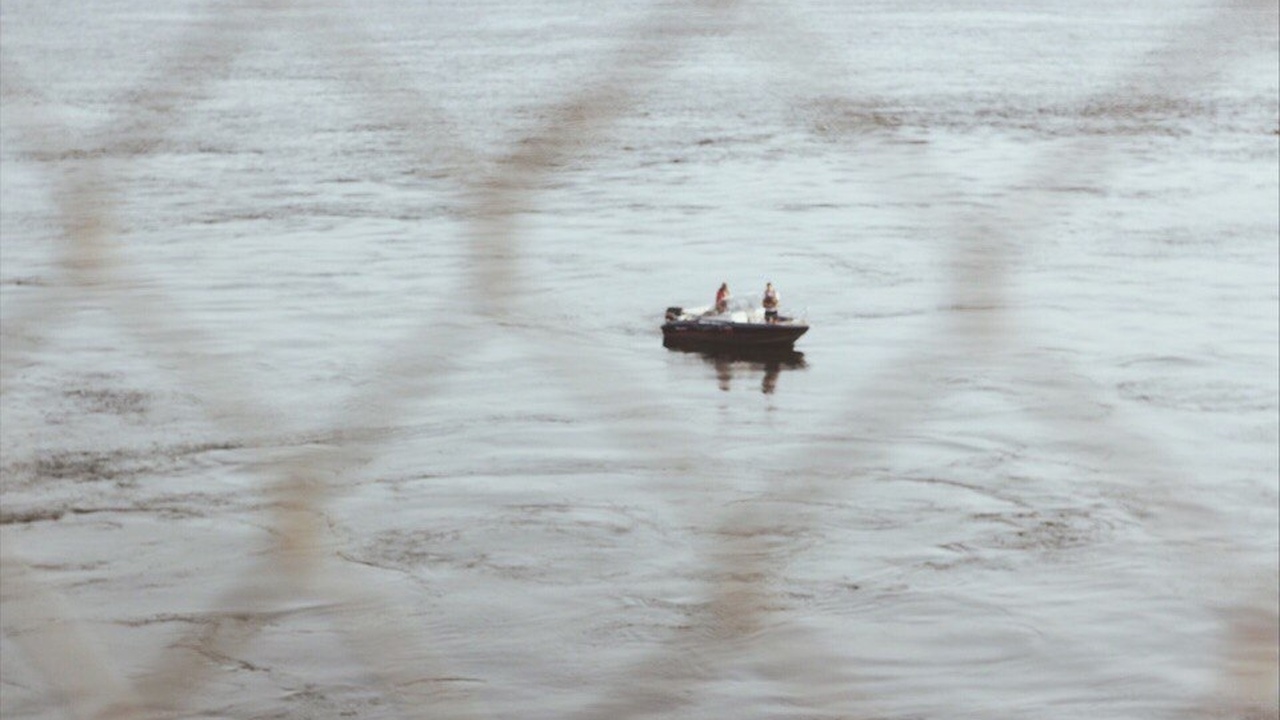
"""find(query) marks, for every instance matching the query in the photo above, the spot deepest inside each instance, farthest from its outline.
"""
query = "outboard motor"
(673, 313)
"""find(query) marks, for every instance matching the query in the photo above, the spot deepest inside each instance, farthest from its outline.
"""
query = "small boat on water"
(738, 329)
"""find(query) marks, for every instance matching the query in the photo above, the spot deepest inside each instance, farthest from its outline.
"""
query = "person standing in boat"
(770, 302)
(722, 298)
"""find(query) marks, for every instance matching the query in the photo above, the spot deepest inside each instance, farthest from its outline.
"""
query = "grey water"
(1024, 464)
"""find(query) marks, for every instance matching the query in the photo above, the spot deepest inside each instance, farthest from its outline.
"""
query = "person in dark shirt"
(770, 302)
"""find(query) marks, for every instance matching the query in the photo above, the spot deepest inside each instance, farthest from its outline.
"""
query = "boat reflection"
(747, 362)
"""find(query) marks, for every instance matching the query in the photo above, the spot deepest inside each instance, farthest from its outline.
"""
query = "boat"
(742, 328)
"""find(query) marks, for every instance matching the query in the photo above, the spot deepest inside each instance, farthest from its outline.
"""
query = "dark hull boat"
(738, 330)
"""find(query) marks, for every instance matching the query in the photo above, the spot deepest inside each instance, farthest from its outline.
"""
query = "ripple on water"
(1182, 393)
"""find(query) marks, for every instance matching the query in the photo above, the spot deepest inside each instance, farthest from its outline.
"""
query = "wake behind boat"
(744, 328)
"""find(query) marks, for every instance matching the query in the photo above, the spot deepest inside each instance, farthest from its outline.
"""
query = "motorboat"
(741, 328)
